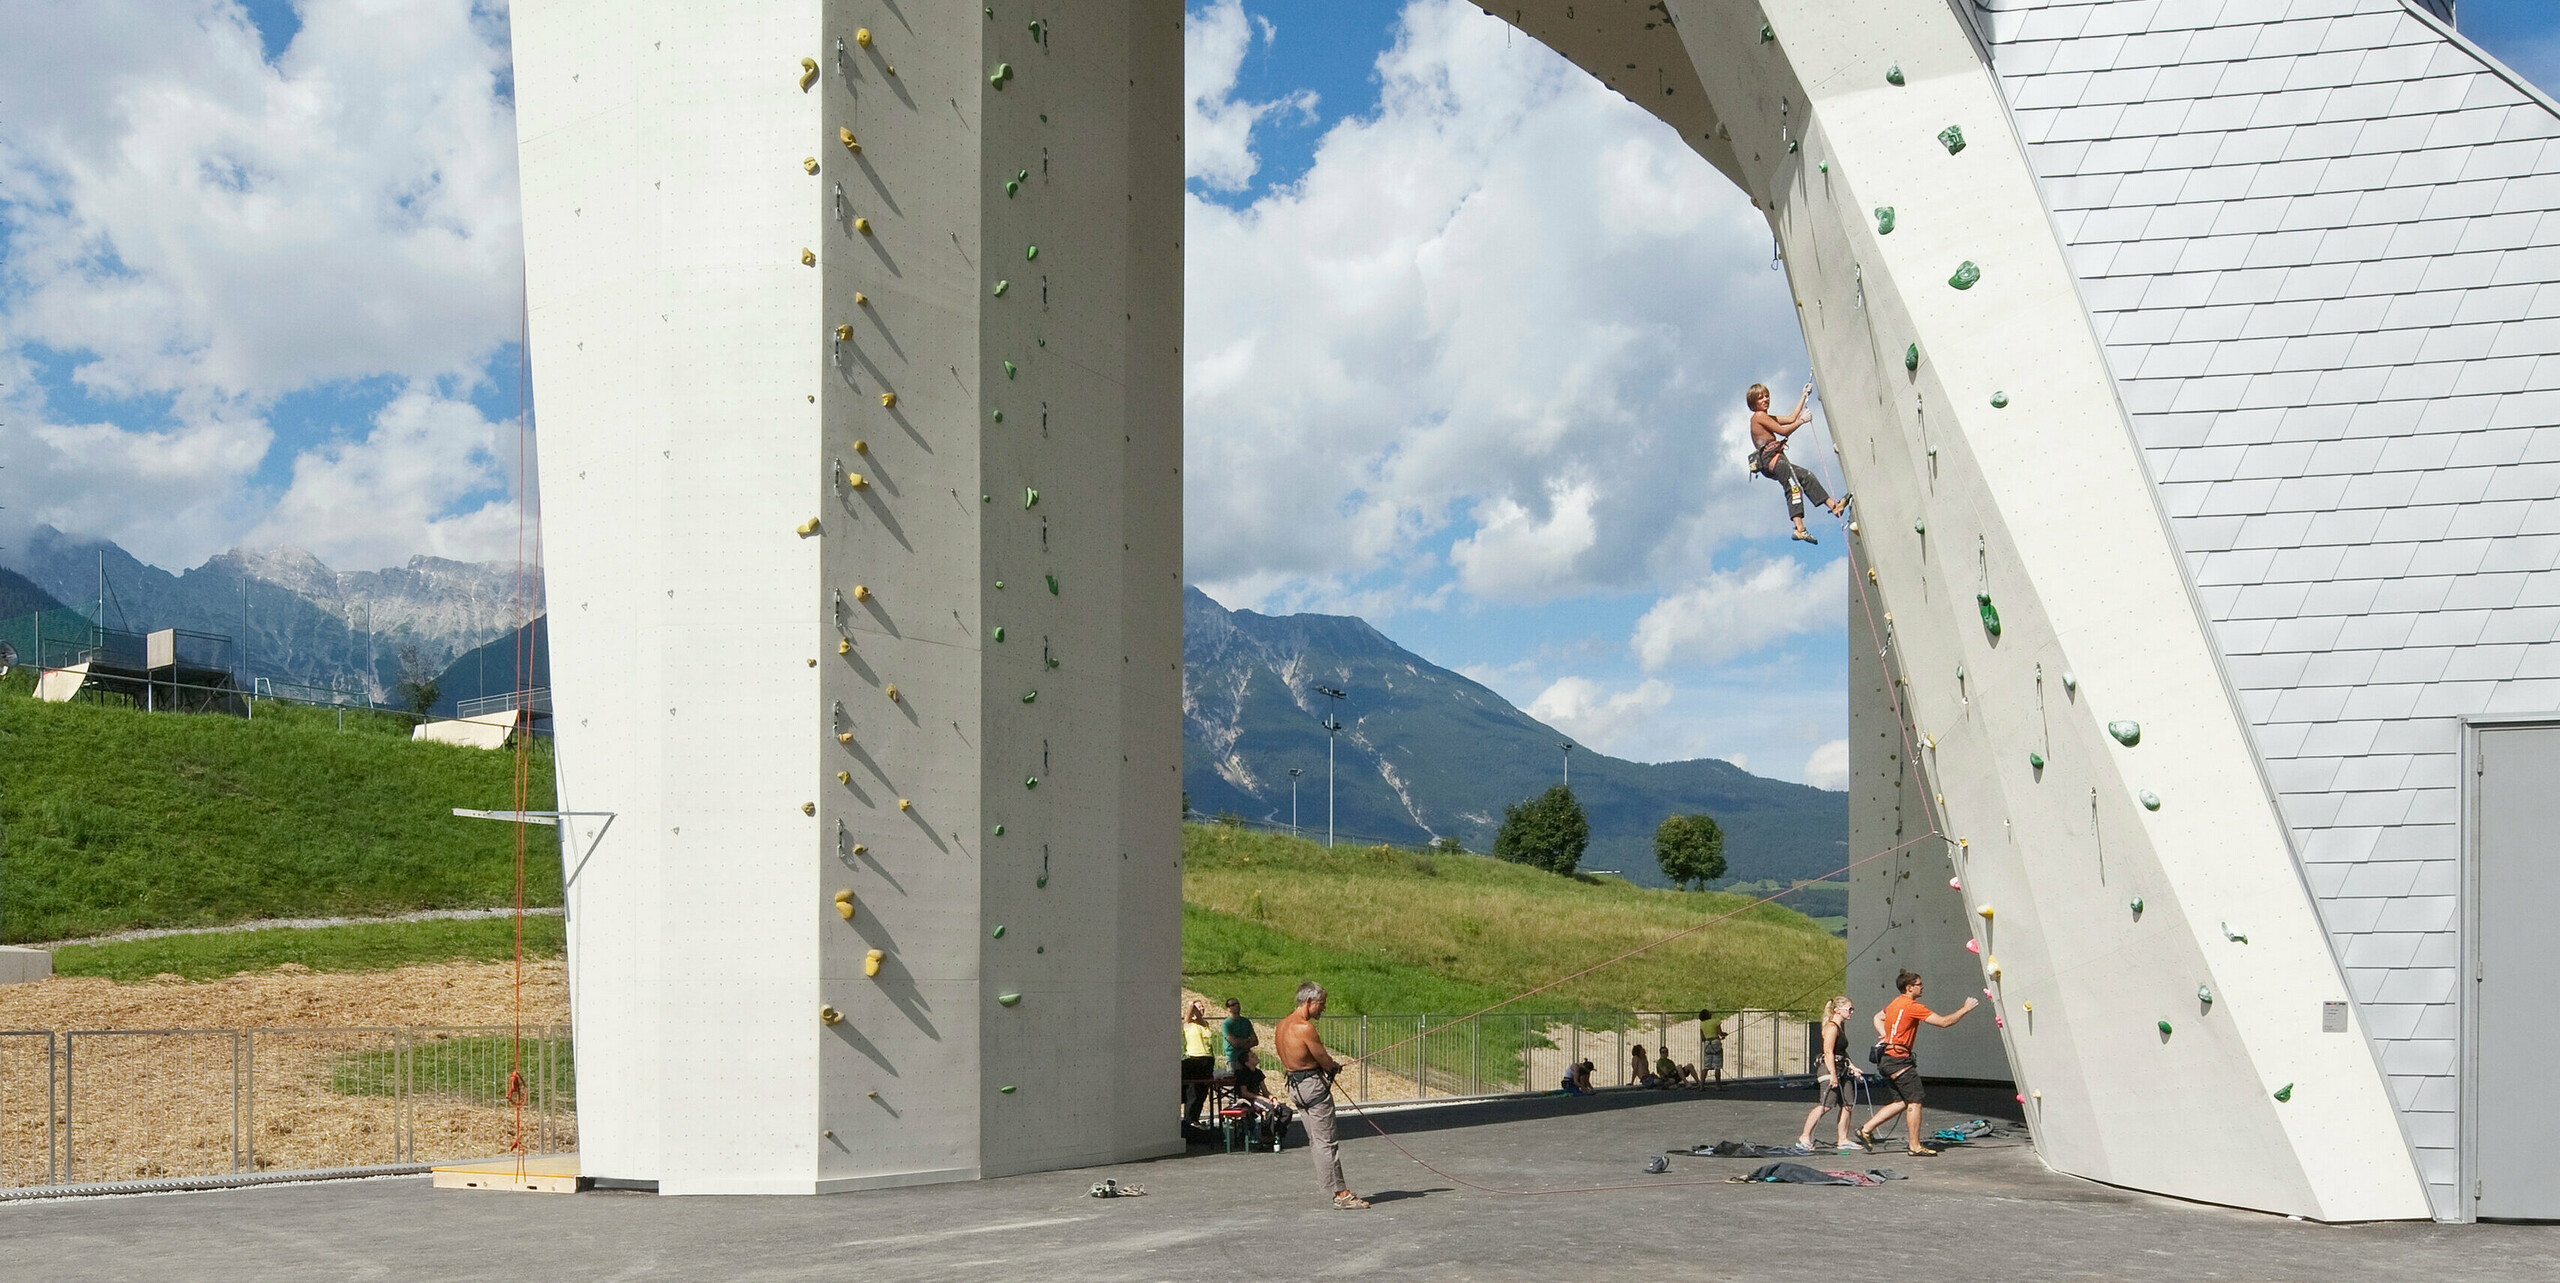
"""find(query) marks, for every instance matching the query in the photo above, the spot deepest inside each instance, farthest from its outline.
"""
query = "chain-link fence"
(120, 1105)
(1402, 1058)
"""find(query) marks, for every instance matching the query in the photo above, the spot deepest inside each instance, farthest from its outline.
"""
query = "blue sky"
(1467, 333)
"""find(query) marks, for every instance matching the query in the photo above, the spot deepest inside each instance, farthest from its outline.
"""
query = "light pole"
(1294, 773)
(1567, 746)
(1332, 724)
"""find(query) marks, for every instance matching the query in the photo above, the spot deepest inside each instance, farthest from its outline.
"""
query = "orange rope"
(523, 771)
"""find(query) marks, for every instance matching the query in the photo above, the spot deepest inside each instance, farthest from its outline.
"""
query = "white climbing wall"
(783, 554)
(2318, 240)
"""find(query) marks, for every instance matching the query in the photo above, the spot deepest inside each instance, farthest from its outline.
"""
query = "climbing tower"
(2189, 363)
(857, 327)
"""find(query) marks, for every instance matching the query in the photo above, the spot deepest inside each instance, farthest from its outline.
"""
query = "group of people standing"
(1836, 1068)
(1307, 1070)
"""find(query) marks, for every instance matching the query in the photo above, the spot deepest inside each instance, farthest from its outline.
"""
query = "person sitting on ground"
(1837, 1071)
(1769, 433)
(1577, 1079)
(1640, 1069)
(1710, 1048)
(1669, 1073)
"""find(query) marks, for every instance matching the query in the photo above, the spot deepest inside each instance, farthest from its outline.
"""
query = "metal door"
(2516, 1017)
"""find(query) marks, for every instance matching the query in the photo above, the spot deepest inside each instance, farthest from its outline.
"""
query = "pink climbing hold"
(1973, 946)
(2022, 1098)
(1955, 884)
(2000, 1021)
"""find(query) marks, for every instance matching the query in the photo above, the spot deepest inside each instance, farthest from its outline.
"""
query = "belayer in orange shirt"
(1898, 1025)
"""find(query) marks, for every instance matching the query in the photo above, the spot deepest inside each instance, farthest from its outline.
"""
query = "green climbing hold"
(2165, 1031)
(2035, 761)
(1999, 400)
(1990, 613)
(999, 833)
(1007, 1089)
(1011, 186)
(999, 632)
(1008, 1000)
(1030, 697)
(1041, 881)
(1035, 30)
(988, 498)
(1823, 166)
(1031, 781)
(1953, 137)
(2204, 994)
(1024, 175)
(1000, 288)
(1029, 498)
(999, 931)
(2137, 906)
(1791, 146)
(999, 416)
(2150, 800)
(1966, 275)
(1041, 342)
(2126, 733)
(1767, 35)
(1893, 74)
(1053, 591)
(1003, 73)
(1008, 369)
(1030, 252)
(999, 583)
(2285, 1093)
(1919, 525)
(1884, 220)
(1911, 357)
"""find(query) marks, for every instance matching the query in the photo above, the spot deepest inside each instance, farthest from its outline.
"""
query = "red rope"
(523, 765)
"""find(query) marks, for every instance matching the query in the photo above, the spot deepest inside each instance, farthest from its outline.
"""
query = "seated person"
(1666, 1073)
(1265, 1118)
(1640, 1070)
(1577, 1080)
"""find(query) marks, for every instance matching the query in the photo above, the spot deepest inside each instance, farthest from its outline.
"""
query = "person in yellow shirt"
(1199, 1062)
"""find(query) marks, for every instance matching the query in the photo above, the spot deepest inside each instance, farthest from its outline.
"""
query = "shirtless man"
(1769, 433)
(1310, 1069)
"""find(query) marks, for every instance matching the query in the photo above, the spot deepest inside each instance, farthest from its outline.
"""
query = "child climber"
(1769, 435)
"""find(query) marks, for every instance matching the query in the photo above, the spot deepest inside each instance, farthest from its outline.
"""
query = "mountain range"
(1426, 753)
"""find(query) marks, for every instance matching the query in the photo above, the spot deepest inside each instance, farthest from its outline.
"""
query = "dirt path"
(263, 924)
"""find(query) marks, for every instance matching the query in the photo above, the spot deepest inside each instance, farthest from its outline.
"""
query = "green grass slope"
(1398, 932)
(117, 819)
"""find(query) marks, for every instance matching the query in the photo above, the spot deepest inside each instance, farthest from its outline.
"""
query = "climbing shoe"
(1806, 537)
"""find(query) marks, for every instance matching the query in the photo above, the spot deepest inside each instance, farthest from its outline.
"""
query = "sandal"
(1346, 1201)
(1866, 1140)
(1922, 1152)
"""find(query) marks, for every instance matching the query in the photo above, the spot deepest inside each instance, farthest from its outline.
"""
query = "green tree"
(1548, 831)
(1690, 849)
(417, 689)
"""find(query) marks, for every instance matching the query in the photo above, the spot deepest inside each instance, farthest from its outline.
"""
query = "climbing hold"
(1853, 527)
(1012, 185)
(1035, 31)
(1955, 884)
(1991, 966)
(1000, 288)
(862, 36)
(809, 163)
(1053, 591)
(999, 830)
(844, 777)
(1030, 697)
(1997, 1020)
(1966, 274)
(859, 848)
(844, 737)
(808, 73)
(905, 805)
(2233, 936)
(871, 963)
(861, 592)
(1871, 574)
(1008, 369)
(1984, 913)
(2164, 1029)
(2204, 994)
(1911, 357)
(2028, 1007)
(2150, 800)
(999, 583)
(999, 931)
(1973, 946)
(1999, 400)
(844, 332)
(2070, 683)
(1007, 1089)
(1823, 166)
(1029, 498)
(888, 400)
(844, 134)
(861, 446)
(1953, 137)
(1002, 73)
(999, 416)
(2137, 906)
(1990, 613)
(2285, 1093)
(1766, 35)
(999, 632)
(830, 1016)
(844, 905)
(2126, 733)
(1031, 253)
(1791, 146)
(2035, 761)
(856, 481)
(1884, 220)
(892, 693)
(808, 257)
(808, 528)
(1031, 781)
(1022, 175)
(1008, 1000)
(1919, 525)
(808, 808)
(861, 299)
(844, 645)
(1893, 74)
(862, 225)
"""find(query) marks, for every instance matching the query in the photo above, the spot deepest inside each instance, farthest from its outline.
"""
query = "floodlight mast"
(1567, 746)
(1332, 724)
(1294, 773)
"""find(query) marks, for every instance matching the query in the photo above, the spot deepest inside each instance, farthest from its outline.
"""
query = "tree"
(418, 689)
(1548, 831)
(1690, 849)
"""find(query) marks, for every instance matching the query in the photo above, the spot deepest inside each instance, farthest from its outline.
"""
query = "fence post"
(57, 1116)
(67, 1118)
(1364, 1059)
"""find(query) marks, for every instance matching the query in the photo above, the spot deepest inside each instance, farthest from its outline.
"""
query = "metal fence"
(1393, 1059)
(120, 1105)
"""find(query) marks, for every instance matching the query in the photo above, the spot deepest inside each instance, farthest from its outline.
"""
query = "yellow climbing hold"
(844, 645)
(862, 36)
(844, 135)
(861, 299)
(888, 400)
(844, 737)
(905, 805)
(844, 905)
(862, 225)
(808, 73)
(844, 332)
(871, 962)
(808, 528)
(861, 593)
(892, 693)
(830, 1016)
(1984, 912)
(808, 257)
(861, 446)
(857, 481)
(808, 808)
(809, 163)
(844, 777)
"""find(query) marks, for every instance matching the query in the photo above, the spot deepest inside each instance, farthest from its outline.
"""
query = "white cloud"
(1828, 766)
(1218, 129)
(198, 232)
(1597, 717)
(1508, 313)
(1730, 614)
(378, 501)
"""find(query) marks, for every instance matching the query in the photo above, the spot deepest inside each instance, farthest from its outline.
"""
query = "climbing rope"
(523, 764)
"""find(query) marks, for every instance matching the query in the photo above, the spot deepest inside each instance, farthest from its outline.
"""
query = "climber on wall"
(1769, 433)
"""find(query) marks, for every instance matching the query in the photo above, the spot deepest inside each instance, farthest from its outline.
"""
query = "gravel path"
(263, 924)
